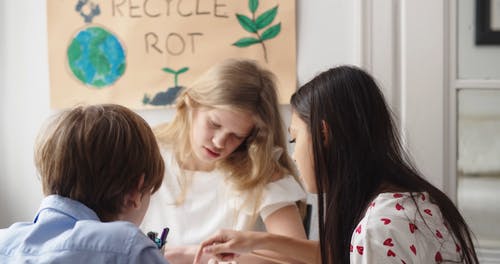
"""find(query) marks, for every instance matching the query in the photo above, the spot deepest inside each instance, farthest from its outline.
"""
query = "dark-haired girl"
(374, 205)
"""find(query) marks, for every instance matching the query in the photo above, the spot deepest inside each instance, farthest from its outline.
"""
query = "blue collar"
(66, 206)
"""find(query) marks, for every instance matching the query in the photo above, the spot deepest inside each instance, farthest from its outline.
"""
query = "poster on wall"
(140, 53)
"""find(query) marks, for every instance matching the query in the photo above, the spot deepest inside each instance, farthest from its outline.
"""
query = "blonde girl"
(226, 162)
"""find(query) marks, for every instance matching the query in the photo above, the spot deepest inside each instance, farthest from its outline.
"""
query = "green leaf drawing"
(254, 25)
(245, 42)
(271, 32)
(247, 23)
(183, 70)
(176, 73)
(169, 70)
(266, 18)
(253, 5)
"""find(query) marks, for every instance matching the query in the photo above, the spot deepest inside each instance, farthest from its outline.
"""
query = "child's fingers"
(215, 246)
(218, 238)
(220, 251)
(217, 249)
(226, 256)
(199, 253)
(206, 246)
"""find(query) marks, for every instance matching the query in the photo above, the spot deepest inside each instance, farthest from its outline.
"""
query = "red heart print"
(438, 257)
(428, 211)
(397, 195)
(457, 248)
(390, 253)
(358, 229)
(399, 207)
(388, 242)
(350, 247)
(438, 234)
(360, 249)
(413, 227)
(385, 220)
(423, 197)
(413, 249)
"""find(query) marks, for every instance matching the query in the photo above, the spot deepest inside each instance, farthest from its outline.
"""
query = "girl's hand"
(226, 245)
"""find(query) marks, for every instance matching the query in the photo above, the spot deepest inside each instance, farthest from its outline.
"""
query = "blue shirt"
(66, 231)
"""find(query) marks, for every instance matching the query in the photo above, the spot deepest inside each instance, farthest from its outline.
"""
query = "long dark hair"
(360, 151)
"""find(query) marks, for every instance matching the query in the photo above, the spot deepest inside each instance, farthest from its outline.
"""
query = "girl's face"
(216, 133)
(303, 152)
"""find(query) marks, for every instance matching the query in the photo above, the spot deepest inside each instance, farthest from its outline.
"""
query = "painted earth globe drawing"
(96, 57)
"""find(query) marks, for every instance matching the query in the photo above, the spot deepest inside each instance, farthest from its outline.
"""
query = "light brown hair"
(96, 155)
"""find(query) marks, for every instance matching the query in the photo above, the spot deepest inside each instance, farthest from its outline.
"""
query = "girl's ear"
(324, 132)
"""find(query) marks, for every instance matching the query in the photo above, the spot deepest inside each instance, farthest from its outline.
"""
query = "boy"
(98, 166)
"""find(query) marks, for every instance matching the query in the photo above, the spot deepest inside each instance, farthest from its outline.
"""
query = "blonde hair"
(240, 85)
(96, 155)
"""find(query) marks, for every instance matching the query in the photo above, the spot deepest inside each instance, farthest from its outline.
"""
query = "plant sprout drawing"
(167, 97)
(175, 73)
(255, 25)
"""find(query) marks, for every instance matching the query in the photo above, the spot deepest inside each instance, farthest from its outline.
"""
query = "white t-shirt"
(210, 204)
(392, 231)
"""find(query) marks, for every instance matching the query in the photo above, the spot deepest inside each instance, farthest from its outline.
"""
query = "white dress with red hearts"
(392, 231)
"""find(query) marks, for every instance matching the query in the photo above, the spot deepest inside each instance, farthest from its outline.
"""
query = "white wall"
(423, 62)
(474, 62)
(3, 171)
(404, 48)
(328, 34)
(479, 132)
(24, 104)
(478, 109)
